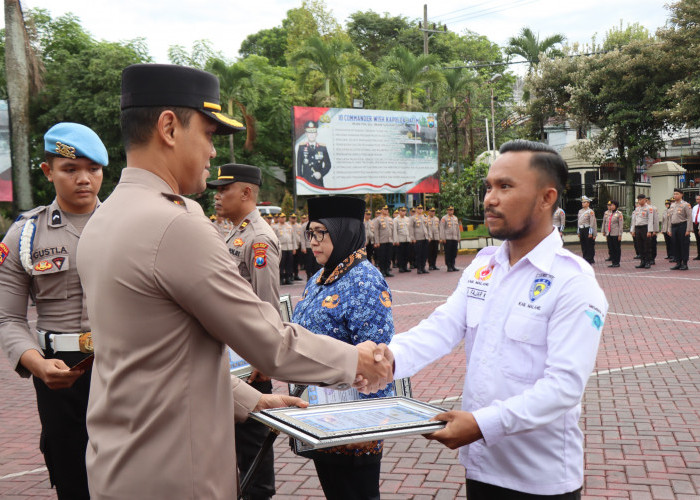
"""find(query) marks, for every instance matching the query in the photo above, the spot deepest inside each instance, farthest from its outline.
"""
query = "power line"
(491, 10)
(509, 63)
(448, 14)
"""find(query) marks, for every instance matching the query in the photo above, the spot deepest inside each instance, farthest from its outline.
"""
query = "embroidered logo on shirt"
(596, 320)
(483, 273)
(331, 301)
(540, 286)
(4, 252)
(58, 262)
(260, 254)
(238, 242)
(44, 265)
(385, 299)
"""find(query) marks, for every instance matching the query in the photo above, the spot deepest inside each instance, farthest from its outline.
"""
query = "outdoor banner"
(5, 158)
(357, 151)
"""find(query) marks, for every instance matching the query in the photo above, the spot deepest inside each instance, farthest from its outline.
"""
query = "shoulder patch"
(385, 299)
(178, 200)
(260, 255)
(4, 252)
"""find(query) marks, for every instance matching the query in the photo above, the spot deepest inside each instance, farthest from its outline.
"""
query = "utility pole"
(426, 30)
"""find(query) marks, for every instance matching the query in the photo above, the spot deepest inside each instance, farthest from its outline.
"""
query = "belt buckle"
(85, 343)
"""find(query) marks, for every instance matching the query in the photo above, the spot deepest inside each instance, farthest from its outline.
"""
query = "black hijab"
(343, 217)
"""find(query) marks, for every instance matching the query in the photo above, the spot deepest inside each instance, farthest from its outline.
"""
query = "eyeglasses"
(317, 235)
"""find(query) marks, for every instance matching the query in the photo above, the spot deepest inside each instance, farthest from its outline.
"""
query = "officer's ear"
(550, 196)
(46, 168)
(165, 126)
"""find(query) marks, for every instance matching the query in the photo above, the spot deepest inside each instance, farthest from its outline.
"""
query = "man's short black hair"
(641, 197)
(678, 190)
(138, 123)
(616, 203)
(544, 158)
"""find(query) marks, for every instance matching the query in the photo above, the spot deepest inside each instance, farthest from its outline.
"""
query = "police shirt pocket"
(51, 279)
(524, 347)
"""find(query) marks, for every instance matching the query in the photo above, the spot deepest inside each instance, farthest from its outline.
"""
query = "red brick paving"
(641, 413)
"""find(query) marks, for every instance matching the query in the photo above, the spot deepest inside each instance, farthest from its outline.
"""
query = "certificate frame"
(238, 366)
(323, 426)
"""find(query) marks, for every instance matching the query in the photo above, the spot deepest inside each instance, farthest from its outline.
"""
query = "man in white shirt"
(530, 314)
(695, 215)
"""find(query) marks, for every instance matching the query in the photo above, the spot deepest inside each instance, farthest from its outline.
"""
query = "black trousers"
(345, 477)
(681, 242)
(696, 231)
(669, 245)
(640, 235)
(654, 245)
(402, 251)
(587, 246)
(370, 251)
(310, 264)
(421, 249)
(450, 253)
(412, 255)
(298, 261)
(614, 249)
(249, 438)
(384, 255)
(63, 432)
(433, 252)
(287, 265)
(637, 250)
(477, 490)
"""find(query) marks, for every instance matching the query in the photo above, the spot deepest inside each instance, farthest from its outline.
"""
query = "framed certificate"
(239, 366)
(335, 424)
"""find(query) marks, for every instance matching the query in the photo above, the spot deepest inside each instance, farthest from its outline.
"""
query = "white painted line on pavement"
(655, 318)
(648, 275)
(419, 293)
(644, 365)
(394, 306)
(23, 473)
(445, 400)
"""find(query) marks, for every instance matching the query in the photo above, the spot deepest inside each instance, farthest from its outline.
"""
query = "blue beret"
(72, 140)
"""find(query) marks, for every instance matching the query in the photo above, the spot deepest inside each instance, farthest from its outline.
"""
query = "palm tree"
(528, 46)
(331, 59)
(406, 72)
(236, 88)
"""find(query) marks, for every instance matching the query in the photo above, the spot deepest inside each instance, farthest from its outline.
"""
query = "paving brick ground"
(641, 412)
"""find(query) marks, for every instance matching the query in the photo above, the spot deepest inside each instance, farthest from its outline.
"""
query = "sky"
(226, 23)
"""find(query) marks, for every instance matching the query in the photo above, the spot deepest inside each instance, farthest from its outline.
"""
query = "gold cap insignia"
(65, 150)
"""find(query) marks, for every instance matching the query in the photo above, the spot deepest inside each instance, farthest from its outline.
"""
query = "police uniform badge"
(596, 320)
(260, 255)
(56, 217)
(4, 252)
(238, 242)
(539, 287)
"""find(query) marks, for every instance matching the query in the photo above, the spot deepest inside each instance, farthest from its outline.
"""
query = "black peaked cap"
(328, 207)
(236, 172)
(156, 85)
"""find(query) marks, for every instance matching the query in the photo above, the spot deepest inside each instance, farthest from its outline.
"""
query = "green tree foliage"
(619, 36)
(528, 46)
(270, 43)
(680, 40)
(198, 57)
(82, 84)
(405, 73)
(332, 59)
(373, 34)
(462, 188)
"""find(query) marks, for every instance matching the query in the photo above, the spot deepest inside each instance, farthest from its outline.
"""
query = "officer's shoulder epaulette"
(176, 199)
(32, 213)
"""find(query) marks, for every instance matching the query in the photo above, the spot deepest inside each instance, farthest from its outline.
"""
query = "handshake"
(375, 367)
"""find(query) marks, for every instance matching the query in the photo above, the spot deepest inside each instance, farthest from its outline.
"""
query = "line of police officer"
(676, 225)
(411, 242)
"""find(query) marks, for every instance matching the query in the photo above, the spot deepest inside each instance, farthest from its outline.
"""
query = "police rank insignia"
(540, 286)
(4, 252)
(259, 254)
(44, 265)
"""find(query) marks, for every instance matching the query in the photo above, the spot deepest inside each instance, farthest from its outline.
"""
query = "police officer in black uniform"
(313, 162)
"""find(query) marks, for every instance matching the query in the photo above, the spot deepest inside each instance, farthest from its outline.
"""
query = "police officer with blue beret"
(38, 260)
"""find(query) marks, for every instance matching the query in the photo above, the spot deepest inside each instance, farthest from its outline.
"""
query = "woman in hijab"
(349, 300)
